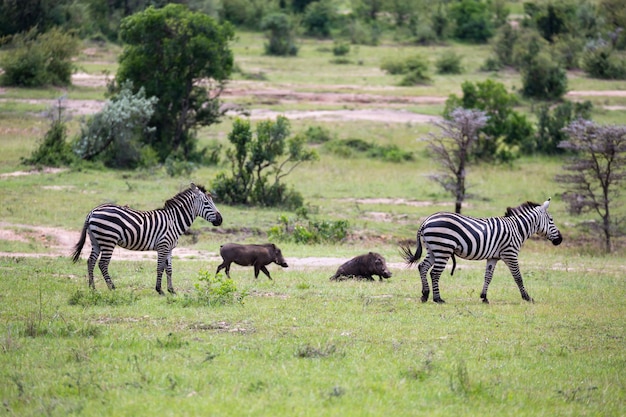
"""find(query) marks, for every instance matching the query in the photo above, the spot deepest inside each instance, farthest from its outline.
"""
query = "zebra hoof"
(485, 301)
(171, 291)
(439, 300)
(160, 291)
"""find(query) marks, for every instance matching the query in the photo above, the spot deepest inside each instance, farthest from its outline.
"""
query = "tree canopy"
(182, 58)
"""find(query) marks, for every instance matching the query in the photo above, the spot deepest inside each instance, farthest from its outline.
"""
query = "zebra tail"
(409, 257)
(79, 246)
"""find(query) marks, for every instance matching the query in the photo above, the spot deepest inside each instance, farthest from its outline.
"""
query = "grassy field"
(301, 345)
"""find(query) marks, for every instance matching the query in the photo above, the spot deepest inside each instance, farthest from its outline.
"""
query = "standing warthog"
(251, 255)
(363, 267)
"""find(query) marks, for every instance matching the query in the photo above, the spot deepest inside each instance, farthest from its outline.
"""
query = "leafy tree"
(259, 161)
(299, 6)
(600, 60)
(503, 44)
(596, 172)
(542, 70)
(319, 18)
(504, 122)
(473, 20)
(115, 134)
(544, 78)
(280, 34)
(40, 59)
(18, 16)
(182, 58)
(552, 119)
(452, 147)
(54, 150)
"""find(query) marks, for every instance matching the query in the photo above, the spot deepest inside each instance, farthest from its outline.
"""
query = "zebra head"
(207, 209)
(547, 228)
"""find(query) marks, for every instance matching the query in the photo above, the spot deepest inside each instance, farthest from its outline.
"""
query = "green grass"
(301, 345)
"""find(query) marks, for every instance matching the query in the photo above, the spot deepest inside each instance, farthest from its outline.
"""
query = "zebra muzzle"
(218, 220)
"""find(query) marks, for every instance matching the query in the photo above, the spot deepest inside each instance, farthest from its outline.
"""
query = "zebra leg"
(93, 257)
(91, 264)
(161, 261)
(491, 266)
(105, 258)
(517, 276)
(435, 273)
(423, 267)
(168, 271)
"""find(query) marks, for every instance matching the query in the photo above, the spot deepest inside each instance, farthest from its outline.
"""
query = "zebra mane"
(174, 201)
(515, 211)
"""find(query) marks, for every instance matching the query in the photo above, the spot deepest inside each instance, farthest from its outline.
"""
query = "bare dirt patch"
(396, 201)
(384, 108)
(32, 172)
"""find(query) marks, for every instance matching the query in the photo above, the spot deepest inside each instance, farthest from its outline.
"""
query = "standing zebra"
(448, 234)
(109, 225)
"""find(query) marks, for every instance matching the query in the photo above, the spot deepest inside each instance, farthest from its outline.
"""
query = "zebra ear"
(546, 204)
(193, 186)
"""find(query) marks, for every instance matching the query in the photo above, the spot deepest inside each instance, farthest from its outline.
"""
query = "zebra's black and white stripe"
(448, 234)
(110, 225)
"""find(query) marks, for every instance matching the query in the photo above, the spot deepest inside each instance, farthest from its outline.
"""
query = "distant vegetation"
(159, 97)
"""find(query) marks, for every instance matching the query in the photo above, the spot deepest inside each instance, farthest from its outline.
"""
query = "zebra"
(109, 225)
(493, 238)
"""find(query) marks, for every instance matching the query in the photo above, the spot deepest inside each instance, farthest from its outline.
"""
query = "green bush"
(503, 44)
(117, 134)
(543, 78)
(492, 97)
(280, 34)
(362, 33)
(40, 59)
(54, 150)
(317, 134)
(551, 120)
(348, 148)
(473, 20)
(341, 48)
(318, 18)
(212, 290)
(258, 162)
(302, 230)
(449, 63)
(414, 69)
(394, 66)
(600, 60)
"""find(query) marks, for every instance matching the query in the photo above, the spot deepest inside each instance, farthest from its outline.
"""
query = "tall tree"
(596, 172)
(182, 58)
(452, 148)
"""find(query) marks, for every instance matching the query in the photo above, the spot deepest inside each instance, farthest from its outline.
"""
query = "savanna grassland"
(301, 345)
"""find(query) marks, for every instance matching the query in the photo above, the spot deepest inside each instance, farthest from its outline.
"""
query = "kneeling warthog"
(251, 255)
(363, 267)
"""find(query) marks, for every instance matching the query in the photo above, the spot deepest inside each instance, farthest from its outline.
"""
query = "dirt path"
(364, 106)
(60, 243)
